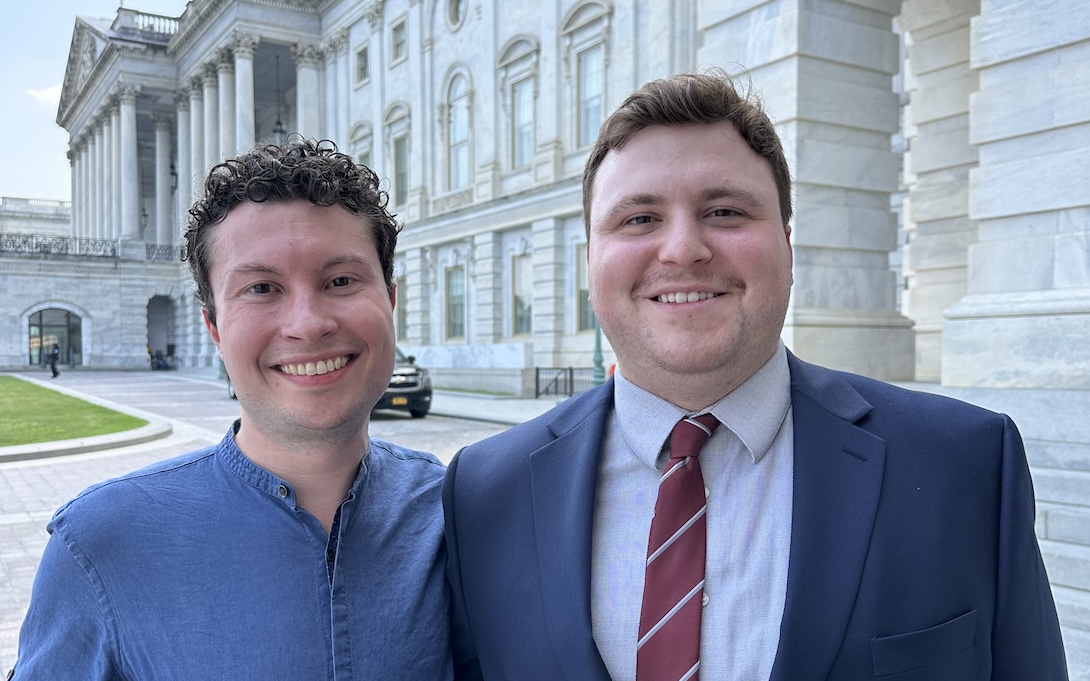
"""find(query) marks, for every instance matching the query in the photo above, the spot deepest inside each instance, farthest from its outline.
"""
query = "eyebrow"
(710, 194)
(258, 268)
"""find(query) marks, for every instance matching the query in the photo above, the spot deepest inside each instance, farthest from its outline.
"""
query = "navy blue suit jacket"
(913, 554)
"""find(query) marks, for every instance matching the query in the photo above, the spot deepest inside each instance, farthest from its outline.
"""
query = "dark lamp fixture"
(173, 178)
(278, 131)
(143, 219)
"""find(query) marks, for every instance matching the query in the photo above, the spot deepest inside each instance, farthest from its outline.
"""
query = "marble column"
(551, 293)
(84, 184)
(421, 278)
(373, 12)
(338, 88)
(843, 311)
(307, 99)
(129, 165)
(1024, 321)
(488, 288)
(73, 160)
(936, 217)
(211, 154)
(109, 176)
(101, 186)
(184, 165)
(116, 211)
(196, 140)
(243, 46)
(225, 72)
(162, 181)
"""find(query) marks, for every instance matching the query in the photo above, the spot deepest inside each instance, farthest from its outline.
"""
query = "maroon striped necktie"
(673, 589)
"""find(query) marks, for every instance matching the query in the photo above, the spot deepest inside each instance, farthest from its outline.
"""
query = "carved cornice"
(336, 42)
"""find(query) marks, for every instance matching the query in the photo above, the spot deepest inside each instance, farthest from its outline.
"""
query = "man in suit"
(851, 529)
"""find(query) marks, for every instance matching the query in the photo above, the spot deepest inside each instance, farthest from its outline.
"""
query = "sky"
(34, 42)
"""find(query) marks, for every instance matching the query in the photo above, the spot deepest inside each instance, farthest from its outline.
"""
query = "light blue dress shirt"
(204, 567)
(747, 466)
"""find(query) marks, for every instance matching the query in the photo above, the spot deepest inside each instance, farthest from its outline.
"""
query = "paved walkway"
(186, 410)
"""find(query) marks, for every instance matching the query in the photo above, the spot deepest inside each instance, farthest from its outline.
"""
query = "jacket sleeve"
(464, 649)
(1026, 642)
(67, 633)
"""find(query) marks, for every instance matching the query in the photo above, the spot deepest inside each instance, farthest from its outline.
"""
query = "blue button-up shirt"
(203, 567)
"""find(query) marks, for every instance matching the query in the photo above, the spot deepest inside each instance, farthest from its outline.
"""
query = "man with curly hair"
(298, 547)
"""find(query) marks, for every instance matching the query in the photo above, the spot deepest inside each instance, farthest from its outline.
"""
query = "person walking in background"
(721, 509)
(54, 357)
(298, 547)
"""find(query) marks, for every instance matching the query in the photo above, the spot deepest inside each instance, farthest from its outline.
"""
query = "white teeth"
(322, 366)
(682, 297)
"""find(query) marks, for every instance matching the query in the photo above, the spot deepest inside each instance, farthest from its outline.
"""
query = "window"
(456, 303)
(522, 123)
(590, 95)
(456, 13)
(364, 158)
(399, 42)
(363, 65)
(585, 315)
(458, 135)
(401, 170)
(522, 290)
(58, 326)
(401, 321)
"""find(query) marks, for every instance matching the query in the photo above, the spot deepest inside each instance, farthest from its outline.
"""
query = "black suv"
(409, 389)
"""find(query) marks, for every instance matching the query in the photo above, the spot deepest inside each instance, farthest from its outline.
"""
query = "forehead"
(664, 158)
(289, 229)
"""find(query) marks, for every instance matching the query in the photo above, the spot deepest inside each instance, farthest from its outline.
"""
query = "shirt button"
(282, 490)
(704, 600)
(707, 492)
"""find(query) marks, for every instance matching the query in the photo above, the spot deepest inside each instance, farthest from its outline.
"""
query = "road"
(200, 411)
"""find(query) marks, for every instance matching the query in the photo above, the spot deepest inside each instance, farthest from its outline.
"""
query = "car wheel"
(418, 413)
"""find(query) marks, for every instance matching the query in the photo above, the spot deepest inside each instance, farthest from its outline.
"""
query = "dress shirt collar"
(754, 411)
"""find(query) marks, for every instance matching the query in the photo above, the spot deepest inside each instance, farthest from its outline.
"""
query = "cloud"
(49, 95)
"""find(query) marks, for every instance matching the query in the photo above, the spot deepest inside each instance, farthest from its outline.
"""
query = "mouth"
(322, 366)
(686, 297)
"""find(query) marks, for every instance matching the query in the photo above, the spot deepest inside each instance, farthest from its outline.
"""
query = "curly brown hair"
(692, 99)
(303, 169)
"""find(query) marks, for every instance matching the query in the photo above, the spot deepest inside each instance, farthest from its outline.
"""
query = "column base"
(878, 344)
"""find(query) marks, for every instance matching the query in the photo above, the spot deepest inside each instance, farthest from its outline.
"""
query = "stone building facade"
(971, 118)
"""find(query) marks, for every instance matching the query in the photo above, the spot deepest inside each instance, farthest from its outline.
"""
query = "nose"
(684, 242)
(307, 316)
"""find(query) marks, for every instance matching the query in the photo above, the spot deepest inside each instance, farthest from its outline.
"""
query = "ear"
(393, 296)
(212, 330)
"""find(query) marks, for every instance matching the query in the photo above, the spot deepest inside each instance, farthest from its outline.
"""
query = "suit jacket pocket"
(919, 649)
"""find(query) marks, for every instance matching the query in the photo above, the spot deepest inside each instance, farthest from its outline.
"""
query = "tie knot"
(690, 434)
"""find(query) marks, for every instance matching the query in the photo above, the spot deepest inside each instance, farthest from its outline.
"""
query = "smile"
(682, 297)
(322, 366)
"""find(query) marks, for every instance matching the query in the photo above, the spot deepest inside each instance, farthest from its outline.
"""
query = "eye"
(261, 288)
(725, 213)
(339, 282)
(638, 220)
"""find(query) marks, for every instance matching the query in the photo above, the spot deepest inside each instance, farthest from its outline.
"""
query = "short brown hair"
(302, 169)
(688, 99)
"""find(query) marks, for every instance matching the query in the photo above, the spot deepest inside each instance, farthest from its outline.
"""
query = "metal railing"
(562, 380)
(161, 253)
(57, 245)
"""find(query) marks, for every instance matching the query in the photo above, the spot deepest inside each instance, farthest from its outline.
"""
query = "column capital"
(372, 11)
(335, 42)
(306, 54)
(244, 44)
(181, 99)
(195, 88)
(209, 75)
(161, 121)
(225, 60)
(126, 94)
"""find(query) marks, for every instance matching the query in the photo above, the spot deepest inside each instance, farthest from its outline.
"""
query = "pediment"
(88, 44)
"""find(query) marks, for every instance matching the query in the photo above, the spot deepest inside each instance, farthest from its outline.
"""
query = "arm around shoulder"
(67, 633)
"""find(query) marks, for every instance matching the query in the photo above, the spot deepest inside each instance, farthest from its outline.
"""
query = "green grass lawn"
(29, 414)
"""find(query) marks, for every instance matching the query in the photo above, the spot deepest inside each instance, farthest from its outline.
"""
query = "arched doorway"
(161, 332)
(54, 325)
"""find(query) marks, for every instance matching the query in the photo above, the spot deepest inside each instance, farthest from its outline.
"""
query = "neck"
(320, 472)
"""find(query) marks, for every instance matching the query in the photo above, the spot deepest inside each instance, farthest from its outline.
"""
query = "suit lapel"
(563, 478)
(837, 483)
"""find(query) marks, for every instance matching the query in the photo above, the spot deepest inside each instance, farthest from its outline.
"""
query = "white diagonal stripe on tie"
(666, 618)
(673, 469)
(680, 531)
(692, 672)
(693, 422)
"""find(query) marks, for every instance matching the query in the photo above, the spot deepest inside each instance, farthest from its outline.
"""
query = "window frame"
(453, 317)
(518, 261)
(399, 49)
(365, 50)
(462, 148)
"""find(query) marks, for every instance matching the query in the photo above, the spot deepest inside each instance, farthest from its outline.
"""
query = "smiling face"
(689, 261)
(303, 321)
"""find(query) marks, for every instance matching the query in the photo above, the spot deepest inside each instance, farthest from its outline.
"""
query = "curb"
(155, 429)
